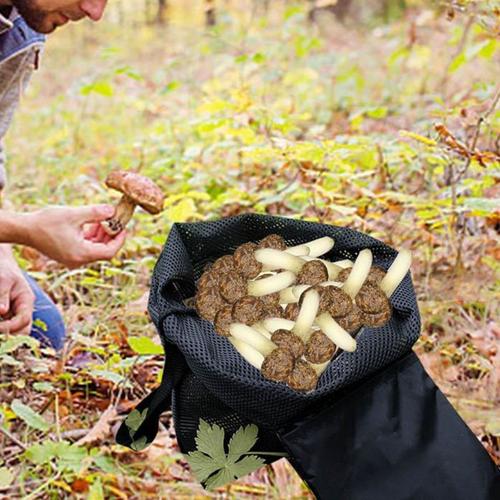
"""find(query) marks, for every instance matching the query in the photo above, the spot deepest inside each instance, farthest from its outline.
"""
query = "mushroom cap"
(140, 189)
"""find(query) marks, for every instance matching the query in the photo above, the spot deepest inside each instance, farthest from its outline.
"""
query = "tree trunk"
(161, 17)
(210, 14)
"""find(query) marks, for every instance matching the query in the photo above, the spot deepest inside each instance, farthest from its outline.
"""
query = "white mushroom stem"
(254, 357)
(287, 296)
(273, 324)
(344, 264)
(299, 250)
(252, 337)
(359, 273)
(307, 314)
(396, 272)
(316, 247)
(333, 269)
(262, 329)
(320, 246)
(298, 290)
(335, 332)
(320, 368)
(266, 286)
(123, 213)
(278, 259)
(337, 284)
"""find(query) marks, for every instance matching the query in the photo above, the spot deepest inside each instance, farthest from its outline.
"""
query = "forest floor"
(339, 125)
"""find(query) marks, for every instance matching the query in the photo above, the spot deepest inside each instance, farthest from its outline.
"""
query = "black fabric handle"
(140, 427)
(395, 436)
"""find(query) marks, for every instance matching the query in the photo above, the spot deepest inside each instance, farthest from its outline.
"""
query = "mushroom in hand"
(137, 190)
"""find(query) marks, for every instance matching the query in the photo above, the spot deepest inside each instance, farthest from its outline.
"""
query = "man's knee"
(48, 324)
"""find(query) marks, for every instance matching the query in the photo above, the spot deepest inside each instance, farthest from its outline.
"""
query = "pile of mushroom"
(288, 312)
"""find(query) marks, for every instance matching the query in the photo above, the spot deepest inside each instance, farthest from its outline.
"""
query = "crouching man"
(69, 235)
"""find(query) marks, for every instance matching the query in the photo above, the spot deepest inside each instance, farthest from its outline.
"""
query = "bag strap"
(140, 427)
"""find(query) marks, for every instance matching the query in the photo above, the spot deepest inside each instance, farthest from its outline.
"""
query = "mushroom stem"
(259, 326)
(123, 213)
(252, 337)
(299, 250)
(396, 272)
(316, 247)
(344, 264)
(277, 259)
(298, 290)
(307, 314)
(251, 355)
(319, 368)
(335, 332)
(266, 286)
(273, 324)
(287, 296)
(337, 284)
(359, 273)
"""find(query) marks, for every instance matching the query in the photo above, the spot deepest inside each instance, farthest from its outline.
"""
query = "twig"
(460, 48)
(460, 173)
(13, 438)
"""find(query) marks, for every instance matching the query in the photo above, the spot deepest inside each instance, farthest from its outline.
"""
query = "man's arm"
(14, 227)
(65, 234)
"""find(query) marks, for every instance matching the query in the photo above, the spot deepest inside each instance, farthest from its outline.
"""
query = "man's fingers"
(104, 251)
(94, 213)
(20, 322)
(5, 289)
(90, 231)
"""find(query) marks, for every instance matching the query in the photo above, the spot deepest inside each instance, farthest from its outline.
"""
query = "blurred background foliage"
(380, 115)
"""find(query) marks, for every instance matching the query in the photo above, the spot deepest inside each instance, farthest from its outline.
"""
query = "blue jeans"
(48, 325)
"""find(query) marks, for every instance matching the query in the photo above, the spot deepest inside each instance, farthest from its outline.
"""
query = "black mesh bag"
(204, 377)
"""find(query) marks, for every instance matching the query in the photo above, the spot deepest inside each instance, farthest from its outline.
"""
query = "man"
(71, 236)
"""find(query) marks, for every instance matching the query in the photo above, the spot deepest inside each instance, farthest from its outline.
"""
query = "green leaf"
(202, 465)
(222, 477)
(458, 62)
(96, 491)
(242, 441)
(13, 343)
(209, 462)
(41, 453)
(43, 387)
(101, 87)
(6, 477)
(140, 444)
(246, 465)
(483, 206)
(145, 346)
(135, 419)
(29, 416)
(210, 440)
(67, 456)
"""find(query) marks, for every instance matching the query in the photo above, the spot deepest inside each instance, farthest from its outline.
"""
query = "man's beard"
(36, 19)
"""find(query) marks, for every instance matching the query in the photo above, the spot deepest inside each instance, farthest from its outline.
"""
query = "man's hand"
(16, 298)
(73, 236)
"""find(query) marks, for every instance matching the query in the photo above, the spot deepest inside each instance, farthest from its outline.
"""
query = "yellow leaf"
(417, 137)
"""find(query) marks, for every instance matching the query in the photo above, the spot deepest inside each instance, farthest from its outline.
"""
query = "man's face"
(45, 16)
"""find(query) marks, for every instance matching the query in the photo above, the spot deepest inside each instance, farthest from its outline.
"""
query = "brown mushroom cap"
(319, 348)
(223, 320)
(273, 241)
(278, 365)
(288, 340)
(141, 190)
(378, 319)
(312, 273)
(372, 300)
(249, 310)
(232, 286)
(244, 258)
(353, 321)
(303, 377)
